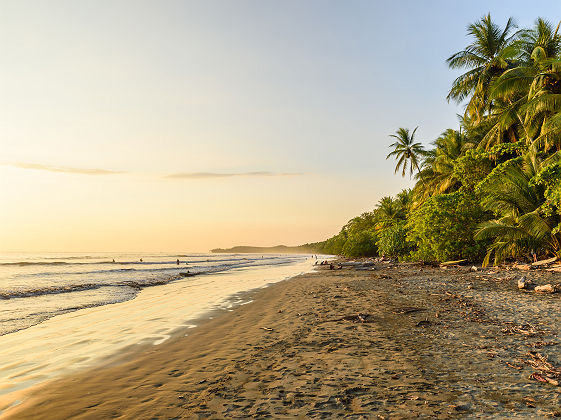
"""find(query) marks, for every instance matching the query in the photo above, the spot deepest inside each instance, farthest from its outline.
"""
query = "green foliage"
(486, 58)
(472, 168)
(514, 194)
(503, 164)
(360, 244)
(334, 245)
(406, 151)
(392, 242)
(443, 227)
(358, 238)
(550, 178)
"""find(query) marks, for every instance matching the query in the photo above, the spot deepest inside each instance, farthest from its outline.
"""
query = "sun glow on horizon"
(143, 126)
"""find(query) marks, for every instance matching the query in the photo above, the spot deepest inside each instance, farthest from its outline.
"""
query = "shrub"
(360, 244)
(393, 242)
(443, 227)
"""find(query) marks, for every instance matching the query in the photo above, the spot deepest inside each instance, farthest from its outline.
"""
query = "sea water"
(63, 312)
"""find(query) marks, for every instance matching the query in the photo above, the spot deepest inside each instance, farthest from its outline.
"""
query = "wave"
(49, 290)
(170, 262)
(171, 275)
(25, 263)
(40, 263)
(79, 257)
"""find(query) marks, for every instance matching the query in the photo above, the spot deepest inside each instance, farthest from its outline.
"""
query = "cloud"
(179, 175)
(207, 175)
(63, 169)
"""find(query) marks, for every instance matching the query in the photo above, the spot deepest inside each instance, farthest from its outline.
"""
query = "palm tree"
(437, 174)
(486, 58)
(404, 200)
(389, 211)
(406, 151)
(542, 39)
(528, 95)
(520, 225)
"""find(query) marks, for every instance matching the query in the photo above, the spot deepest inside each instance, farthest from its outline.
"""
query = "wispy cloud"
(178, 175)
(206, 175)
(63, 169)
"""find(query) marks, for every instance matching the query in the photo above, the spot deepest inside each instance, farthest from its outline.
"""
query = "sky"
(188, 125)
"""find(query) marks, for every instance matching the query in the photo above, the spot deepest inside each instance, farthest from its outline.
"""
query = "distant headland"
(279, 249)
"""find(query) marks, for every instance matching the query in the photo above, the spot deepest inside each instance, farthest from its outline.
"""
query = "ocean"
(62, 312)
(34, 288)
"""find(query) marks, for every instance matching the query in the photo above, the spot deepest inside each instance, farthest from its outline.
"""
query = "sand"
(382, 341)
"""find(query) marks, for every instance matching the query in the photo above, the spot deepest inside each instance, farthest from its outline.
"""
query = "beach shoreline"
(97, 336)
(368, 341)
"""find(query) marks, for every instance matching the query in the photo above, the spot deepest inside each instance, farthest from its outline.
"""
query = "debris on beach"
(358, 318)
(524, 283)
(527, 284)
(527, 330)
(453, 263)
(547, 372)
(408, 310)
(548, 288)
(544, 379)
(544, 262)
(513, 366)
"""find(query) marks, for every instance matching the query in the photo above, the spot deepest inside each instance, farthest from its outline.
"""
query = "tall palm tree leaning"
(486, 58)
(406, 151)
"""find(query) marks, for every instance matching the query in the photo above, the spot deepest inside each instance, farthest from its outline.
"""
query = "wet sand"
(376, 341)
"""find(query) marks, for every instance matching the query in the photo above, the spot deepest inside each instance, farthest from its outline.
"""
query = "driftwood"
(408, 310)
(524, 283)
(548, 288)
(544, 262)
(453, 262)
(547, 372)
(526, 330)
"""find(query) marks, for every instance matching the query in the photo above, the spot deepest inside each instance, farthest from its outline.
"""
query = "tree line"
(491, 190)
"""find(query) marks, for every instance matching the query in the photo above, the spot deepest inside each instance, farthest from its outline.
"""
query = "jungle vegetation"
(489, 191)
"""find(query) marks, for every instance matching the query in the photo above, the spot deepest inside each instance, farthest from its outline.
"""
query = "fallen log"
(544, 262)
(453, 262)
(548, 288)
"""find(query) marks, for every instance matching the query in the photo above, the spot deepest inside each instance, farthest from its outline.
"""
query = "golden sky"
(189, 125)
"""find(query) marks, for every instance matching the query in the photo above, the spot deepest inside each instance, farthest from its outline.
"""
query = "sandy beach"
(367, 341)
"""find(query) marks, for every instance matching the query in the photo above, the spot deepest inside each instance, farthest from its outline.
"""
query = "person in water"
(141, 260)
(178, 261)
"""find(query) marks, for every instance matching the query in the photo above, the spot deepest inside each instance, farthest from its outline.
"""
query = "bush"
(444, 225)
(393, 242)
(334, 245)
(360, 244)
